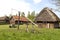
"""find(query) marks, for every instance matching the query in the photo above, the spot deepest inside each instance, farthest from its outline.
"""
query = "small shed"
(47, 19)
(4, 20)
(14, 20)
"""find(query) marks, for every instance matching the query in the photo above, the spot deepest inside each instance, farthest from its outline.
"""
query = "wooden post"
(27, 27)
(43, 25)
(48, 25)
(32, 27)
(18, 19)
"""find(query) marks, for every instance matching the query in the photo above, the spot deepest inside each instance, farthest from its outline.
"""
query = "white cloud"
(37, 1)
(6, 5)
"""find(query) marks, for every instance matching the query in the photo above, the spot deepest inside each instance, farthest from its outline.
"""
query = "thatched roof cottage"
(47, 19)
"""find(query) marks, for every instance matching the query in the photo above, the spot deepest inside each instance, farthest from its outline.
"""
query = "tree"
(23, 14)
(28, 14)
(31, 16)
(57, 3)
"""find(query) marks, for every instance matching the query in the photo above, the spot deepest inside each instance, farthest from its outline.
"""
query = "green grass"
(7, 33)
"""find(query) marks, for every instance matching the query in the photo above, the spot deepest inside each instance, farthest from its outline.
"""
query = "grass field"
(7, 33)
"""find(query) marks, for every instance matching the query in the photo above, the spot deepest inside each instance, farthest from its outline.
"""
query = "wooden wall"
(48, 25)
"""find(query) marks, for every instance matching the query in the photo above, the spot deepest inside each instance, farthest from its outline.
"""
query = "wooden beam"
(18, 19)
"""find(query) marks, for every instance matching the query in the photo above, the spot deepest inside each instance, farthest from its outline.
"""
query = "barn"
(14, 20)
(47, 19)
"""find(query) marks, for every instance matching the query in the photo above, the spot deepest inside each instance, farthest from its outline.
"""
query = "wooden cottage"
(4, 20)
(14, 20)
(47, 19)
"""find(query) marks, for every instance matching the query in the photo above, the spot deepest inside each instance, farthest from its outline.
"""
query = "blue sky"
(11, 6)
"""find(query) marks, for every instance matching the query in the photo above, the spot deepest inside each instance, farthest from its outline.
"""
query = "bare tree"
(57, 3)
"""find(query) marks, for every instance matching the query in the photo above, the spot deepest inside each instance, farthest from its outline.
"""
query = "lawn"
(7, 33)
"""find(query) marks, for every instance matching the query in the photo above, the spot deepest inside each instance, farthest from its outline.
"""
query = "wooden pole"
(32, 27)
(27, 27)
(18, 19)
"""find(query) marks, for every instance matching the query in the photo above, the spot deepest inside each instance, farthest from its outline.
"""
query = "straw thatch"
(47, 15)
(48, 19)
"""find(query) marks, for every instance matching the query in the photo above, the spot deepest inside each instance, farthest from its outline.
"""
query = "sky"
(8, 7)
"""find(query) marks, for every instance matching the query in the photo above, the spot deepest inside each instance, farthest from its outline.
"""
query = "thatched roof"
(47, 15)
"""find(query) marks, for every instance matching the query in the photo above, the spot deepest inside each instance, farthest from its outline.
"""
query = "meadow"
(7, 33)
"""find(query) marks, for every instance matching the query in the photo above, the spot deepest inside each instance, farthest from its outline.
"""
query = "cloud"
(37, 1)
(7, 5)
